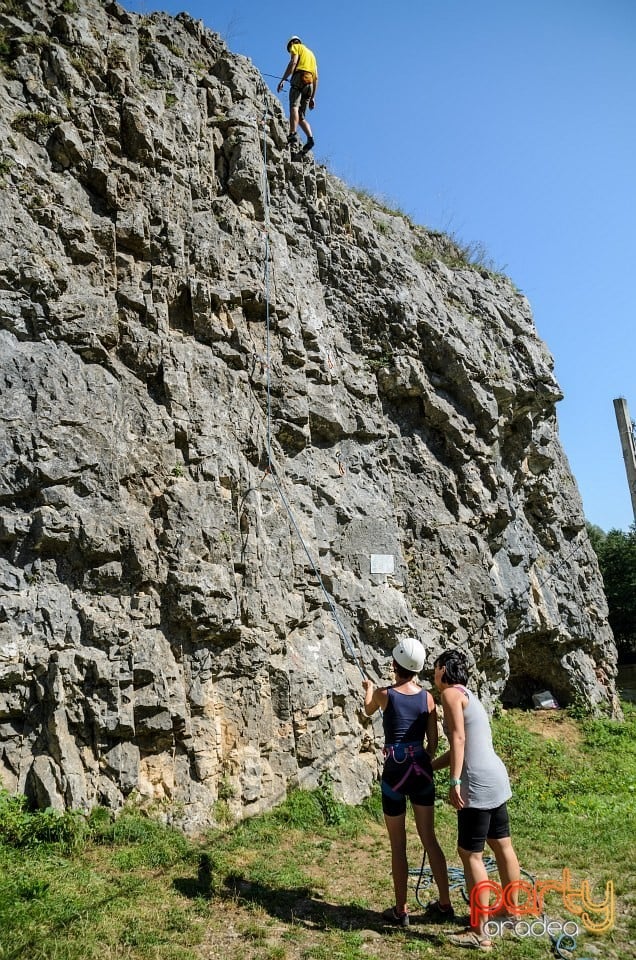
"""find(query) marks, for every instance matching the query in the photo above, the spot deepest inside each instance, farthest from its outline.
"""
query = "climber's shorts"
(418, 788)
(474, 827)
(299, 94)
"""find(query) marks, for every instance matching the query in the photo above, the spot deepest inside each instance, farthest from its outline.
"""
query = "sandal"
(471, 939)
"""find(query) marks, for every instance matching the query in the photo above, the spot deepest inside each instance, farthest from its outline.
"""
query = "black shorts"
(475, 826)
(419, 788)
(300, 94)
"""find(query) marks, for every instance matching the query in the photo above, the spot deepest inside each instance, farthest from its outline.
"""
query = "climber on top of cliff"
(303, 70)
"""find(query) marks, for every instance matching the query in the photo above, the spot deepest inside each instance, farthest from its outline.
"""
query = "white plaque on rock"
(382, 563)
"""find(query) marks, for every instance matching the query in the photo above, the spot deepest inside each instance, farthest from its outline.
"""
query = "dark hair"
(402, 672)
(455, 666)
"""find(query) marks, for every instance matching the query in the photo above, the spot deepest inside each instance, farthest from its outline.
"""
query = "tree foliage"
(616, 552)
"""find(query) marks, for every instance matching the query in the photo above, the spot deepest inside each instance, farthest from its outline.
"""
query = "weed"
(301, 810)
(383, 360)
(21, 827)
(5, 45)
(36, 41)
(32, 889)
(83, 63)
(225, 790)
(254, 931)
(372, 200)
(33, 124)
(12, 7)
(6, 165)
(276, 953)
(423, 254)
(457, 254)
(222, 813)
(69, 6)
(578, 709)
(171, 99)
(334, 813)
(139, 934)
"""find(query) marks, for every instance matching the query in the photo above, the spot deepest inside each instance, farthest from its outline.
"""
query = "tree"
(616, 552)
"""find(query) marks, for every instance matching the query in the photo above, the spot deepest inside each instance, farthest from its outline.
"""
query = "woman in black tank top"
(409, 717)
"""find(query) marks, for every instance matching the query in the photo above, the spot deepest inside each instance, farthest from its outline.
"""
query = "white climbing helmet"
(293, 39)
(410, 654)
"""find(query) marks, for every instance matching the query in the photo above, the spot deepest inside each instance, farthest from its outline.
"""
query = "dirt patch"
(551, 724)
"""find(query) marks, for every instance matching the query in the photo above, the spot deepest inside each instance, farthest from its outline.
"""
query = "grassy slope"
(308, 880)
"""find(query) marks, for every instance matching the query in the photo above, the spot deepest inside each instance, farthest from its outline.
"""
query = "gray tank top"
(485, 782)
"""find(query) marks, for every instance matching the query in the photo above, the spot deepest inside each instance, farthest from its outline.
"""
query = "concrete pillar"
(628, 443)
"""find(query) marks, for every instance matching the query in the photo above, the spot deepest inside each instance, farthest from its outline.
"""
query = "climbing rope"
(563, 945)
(424, 874)
(565, 941)
(270, 468)
(328, 597)
(266, 205)
(456, 879)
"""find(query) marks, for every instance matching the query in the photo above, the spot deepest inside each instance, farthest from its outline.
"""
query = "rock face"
(231, 390)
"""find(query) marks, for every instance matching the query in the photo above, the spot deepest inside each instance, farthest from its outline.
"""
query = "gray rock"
(199, 456)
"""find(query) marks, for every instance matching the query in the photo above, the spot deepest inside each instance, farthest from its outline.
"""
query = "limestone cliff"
(179, 301)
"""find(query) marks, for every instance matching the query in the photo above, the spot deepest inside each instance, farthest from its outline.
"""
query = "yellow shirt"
(306, 59)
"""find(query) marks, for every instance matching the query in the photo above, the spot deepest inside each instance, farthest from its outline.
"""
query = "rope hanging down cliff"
(276, 475)
(270, 468)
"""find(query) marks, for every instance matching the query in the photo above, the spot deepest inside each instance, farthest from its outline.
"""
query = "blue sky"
(511, 124)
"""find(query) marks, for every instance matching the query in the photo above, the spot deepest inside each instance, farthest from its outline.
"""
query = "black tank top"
(405, 717)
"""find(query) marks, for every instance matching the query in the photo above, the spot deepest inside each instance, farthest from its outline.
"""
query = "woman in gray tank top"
(479, 789)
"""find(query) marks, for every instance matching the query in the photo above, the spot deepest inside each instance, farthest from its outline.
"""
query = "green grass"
(430, 245)
(568, 790)
(33, 124)
(307, 880)
(374, 201)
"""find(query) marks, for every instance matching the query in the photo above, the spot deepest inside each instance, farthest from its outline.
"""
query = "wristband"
(455, 782)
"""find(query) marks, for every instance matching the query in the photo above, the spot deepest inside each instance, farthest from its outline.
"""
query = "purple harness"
(409, 755)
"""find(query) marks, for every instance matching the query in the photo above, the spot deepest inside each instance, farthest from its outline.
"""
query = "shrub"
(21, 827)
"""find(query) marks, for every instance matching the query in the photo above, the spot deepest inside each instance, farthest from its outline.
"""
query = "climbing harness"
(409, 753)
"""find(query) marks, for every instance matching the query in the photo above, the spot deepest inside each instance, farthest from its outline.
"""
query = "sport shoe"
(394, 916)
(293, 140)
(309, 145)
(436, 912)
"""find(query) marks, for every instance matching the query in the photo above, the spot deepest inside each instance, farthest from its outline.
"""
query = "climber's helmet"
(409, 654)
